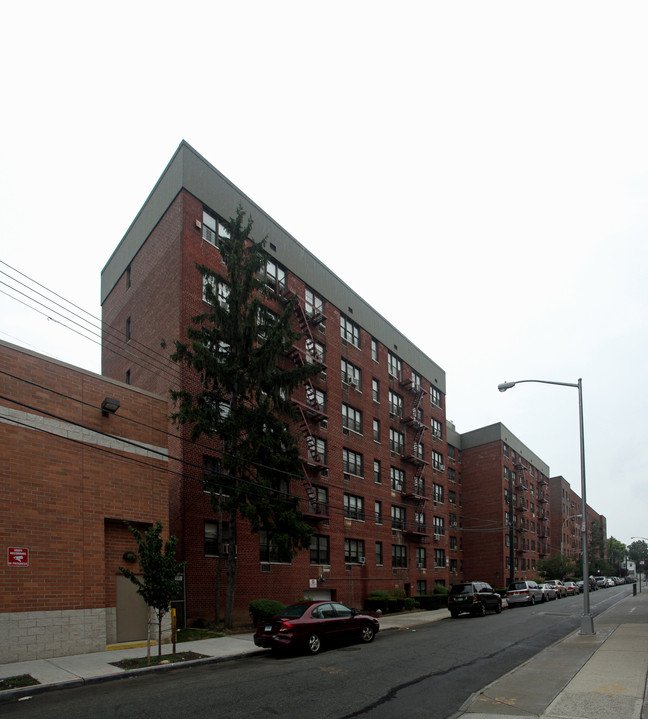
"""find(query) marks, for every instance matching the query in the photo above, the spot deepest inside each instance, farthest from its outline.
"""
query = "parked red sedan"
(310, 625)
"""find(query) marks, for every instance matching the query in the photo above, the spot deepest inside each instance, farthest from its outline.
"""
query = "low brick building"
(73, 476)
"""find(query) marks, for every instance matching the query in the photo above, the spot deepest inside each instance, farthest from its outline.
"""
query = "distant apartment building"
(566, 522)
(379, 483)
(83, 457)
(505, 502)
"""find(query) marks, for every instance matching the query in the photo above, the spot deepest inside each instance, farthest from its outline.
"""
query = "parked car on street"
(474, 598)
(548, 592)
(572, 588)
(523, 592)
(310, 625)
(559, 587)
(601, 582)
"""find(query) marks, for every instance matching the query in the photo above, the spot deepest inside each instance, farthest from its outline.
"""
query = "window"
(349, 331)
(439, 526)
(421, 587)
(394, 366)
(421, 558)
(452, 497)
(416, 380)
(376, 430)
(314, 304)
(375, 390)
(435, 397)
(314, 352)
(437, 493)
(274, 276)
(213, 230)
(395, 404)
(398, 517)
(439, 558)
(269, 552)
(351, 418)
(319, 549)
(419, 486)
(436, 429)
(319, 503)
(266, 319)
(353, 507)
(437, 461)
(374, 350)
(215, 290)
(397, 479)
(351, 462)
(453, 543)
(128, 329)
(452, 476)
(128, 276)
(377, 474)
(396, 441)
(452, 519)
(354, 551)
(399, 555)
(419, 521)
(453, 566)
(351, 374)
(379, 553)
(212, 474)
(378, 512)
(211, 538)
(506, 450)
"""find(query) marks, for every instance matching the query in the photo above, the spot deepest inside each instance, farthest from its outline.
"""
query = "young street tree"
(157, 584)
(238, 348)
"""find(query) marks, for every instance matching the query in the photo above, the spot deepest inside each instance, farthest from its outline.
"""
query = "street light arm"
(507, 385)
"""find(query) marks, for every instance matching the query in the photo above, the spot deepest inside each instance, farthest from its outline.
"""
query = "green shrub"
(409, 603)
(262, 609)
(432, 601)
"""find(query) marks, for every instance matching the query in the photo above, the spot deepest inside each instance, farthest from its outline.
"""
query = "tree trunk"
(231, 575)
(159, 634)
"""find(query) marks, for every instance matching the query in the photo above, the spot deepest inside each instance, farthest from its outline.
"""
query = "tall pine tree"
(238, 349)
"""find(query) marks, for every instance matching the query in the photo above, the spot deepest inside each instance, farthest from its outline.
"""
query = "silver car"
(523, 592)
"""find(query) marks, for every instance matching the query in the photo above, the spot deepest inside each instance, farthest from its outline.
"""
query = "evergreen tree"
(238, 348)
(157, 585)
(638, 552)
(555, 567)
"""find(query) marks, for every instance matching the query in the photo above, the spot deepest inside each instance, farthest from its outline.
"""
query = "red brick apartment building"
(502, 478)
(372, 424)
(73, 474)
(566, 526)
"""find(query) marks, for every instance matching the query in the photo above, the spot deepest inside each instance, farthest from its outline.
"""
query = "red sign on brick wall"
(18, 556)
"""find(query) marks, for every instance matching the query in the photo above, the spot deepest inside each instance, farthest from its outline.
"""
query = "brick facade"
(71, 478)
(155, 282)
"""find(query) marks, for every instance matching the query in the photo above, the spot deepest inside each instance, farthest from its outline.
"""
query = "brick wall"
(69, 473)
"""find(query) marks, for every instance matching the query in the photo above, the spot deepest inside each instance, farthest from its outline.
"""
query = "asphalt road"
(427, 671)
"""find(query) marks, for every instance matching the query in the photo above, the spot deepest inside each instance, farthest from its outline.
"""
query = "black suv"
(473, 597)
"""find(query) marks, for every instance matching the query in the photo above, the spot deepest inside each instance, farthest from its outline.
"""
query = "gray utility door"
(131, 612)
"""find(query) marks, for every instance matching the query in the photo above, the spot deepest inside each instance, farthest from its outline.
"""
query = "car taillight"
(285, 627)
(475, 597)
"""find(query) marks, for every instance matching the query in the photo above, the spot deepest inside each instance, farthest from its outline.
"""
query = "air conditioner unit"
(437, 537)
(442, 468)
(352, 381)
(420, 565)
(362, 560)
(225, 548)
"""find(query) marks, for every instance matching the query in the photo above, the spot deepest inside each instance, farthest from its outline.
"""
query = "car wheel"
(544, 597)
(367, 633)
(454, 613)
(498, 608)
(531, 601)
(480, 610)
(314, 643)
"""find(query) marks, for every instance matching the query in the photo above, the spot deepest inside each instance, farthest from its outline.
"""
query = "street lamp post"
(587, 622)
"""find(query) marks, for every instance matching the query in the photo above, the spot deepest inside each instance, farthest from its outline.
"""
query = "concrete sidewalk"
(580, 677)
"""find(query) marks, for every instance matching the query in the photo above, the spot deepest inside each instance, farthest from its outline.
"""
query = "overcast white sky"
(477, 171)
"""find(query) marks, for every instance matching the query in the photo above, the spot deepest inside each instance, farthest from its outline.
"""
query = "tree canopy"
(238, 348)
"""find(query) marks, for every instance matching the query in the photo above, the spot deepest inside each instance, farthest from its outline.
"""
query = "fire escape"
(310, 412)
(414, 490)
